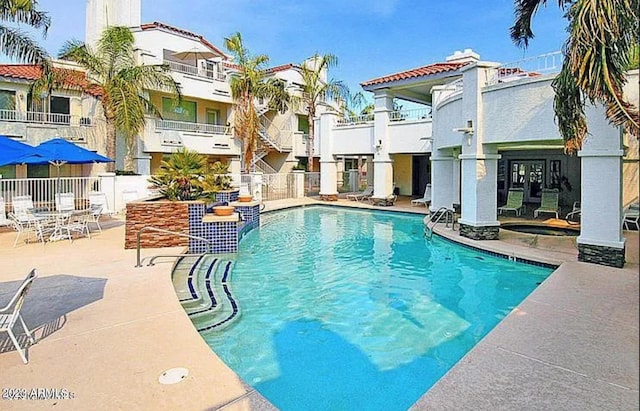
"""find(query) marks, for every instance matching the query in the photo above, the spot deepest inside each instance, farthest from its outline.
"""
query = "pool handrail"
(435, 219)
(162, 230)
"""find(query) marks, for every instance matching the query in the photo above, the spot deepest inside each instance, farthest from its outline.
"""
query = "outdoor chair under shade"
(10, 314)
(549, 202)
(65, 201)
(426, 198)
(21, 204)
(4, 221)
(631, 216)
(514, 201)
(364, 195)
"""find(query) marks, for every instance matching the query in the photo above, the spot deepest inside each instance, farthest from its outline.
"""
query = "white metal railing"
(264, 167)
(280, 137)
(196, 71)
(44, 118)
(528, 67)
(410, 115)
(354, 120)
(43, 190)
(311, 183)
(278, 186)
(451, 89)
(192, 127)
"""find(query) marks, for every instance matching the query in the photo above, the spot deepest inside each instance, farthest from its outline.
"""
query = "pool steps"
(202, 286)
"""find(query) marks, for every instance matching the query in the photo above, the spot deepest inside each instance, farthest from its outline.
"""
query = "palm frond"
(25, 12)
(16, 44)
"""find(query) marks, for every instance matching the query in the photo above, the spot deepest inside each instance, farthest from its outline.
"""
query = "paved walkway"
(107, 330)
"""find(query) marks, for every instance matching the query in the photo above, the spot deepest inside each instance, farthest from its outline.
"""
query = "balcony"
(199, 128)
(196, 71)
(44, 118)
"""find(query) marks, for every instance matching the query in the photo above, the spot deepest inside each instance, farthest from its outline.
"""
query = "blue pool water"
(355, 310)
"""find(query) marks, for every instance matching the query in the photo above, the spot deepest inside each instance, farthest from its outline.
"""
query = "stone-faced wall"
(164, 214)
(479, 233)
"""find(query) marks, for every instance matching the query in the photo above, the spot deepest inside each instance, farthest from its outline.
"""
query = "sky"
(371, 38)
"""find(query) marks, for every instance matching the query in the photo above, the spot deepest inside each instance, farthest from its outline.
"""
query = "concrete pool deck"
(106, 330)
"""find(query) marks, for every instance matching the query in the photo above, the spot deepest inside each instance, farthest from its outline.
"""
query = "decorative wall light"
(467, 131)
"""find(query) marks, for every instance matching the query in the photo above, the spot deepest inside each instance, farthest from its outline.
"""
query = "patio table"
(56, 222)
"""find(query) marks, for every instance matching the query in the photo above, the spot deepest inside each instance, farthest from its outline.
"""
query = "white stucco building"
(484, 128)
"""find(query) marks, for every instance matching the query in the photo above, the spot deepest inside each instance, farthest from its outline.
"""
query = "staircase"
(202, 286)
(272, 138)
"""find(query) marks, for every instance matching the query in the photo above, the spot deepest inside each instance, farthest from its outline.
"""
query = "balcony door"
(530, 176)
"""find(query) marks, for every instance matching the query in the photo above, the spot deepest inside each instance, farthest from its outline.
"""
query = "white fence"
(42, 190)
(121, 189)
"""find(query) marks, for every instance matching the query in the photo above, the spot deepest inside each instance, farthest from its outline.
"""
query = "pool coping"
(139, 322)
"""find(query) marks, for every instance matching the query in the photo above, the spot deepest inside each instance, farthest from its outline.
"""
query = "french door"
(530, 176)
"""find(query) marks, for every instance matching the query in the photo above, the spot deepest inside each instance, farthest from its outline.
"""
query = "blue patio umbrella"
(11, 151)
(59, 152)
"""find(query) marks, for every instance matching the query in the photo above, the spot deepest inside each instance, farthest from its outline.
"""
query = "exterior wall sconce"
(467, 131)
(379, 144)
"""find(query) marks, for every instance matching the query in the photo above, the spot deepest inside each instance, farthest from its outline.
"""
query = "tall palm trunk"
(110, 145)
(310, 117)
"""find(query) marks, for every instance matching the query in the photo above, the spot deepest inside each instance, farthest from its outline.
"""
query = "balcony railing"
(196, 71)
(44, 118)
(410, 115)
(354, 120)
(529, 67)
(186, 126)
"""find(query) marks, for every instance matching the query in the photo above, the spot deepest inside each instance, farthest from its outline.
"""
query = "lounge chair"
(549, 202)
(10, 314)
(365, 195)
(386, 201)
(514, 201)
(631, 216)
(574, 215)
(426, 198)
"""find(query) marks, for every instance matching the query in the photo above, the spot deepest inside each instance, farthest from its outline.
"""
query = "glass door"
(528, 175)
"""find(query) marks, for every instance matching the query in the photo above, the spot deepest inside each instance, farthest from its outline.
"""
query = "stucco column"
(328, 164)
(108, 187)
(235, 169)
(383, 165)
(370, 167)
(601, 240)
(298, 182)
(442, 180)
(479, 161)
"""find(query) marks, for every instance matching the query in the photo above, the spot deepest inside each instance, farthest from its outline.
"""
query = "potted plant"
(186, 176)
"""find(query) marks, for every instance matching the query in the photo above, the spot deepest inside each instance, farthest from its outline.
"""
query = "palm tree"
(13, 42)
(247, 85)
(123, 85)
(315, 89)
(601, 43)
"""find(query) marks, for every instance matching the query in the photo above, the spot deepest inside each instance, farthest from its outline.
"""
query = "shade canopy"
(11, 151)
(195, 54)
(59, 151)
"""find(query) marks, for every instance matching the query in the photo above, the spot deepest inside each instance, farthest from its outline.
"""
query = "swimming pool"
(350, 309)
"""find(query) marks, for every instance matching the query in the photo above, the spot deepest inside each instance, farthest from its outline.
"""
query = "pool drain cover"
(173, 375)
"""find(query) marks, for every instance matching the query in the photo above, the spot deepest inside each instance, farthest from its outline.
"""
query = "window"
(38, 171)
(8, 172)
(185, 111)
(213, 116)
(7, 100)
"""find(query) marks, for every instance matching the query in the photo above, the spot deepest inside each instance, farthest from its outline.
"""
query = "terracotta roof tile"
(73, 78)
(281, 67)
(158, 25)
(430, 69)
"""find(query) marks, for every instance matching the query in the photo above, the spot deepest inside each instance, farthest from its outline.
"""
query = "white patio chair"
(100, 198)
(10, 314)
(79, 223)
(21, 204)
(426, 198)
(65, 201)
(4, 220)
